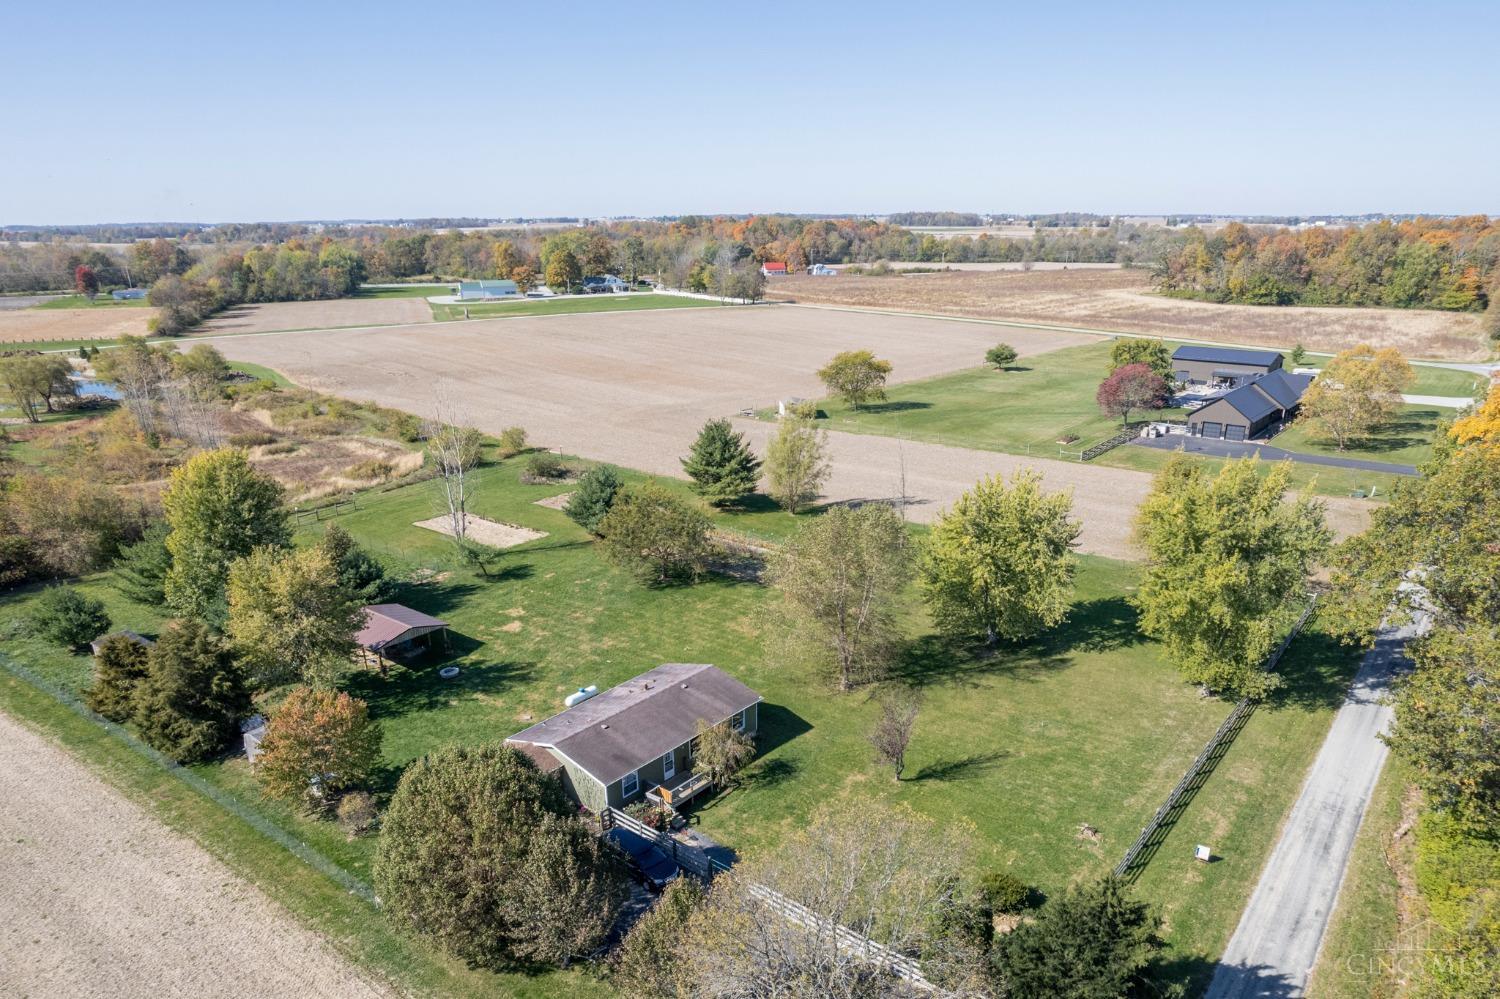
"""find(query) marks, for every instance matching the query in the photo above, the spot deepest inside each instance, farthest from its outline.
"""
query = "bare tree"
(455, 450)
(892, 732)
(882, 872)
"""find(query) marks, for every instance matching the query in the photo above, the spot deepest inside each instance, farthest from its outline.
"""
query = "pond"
(90, 386)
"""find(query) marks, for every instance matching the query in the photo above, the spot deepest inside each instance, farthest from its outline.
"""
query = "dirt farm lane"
(633, 388)
(97, 898)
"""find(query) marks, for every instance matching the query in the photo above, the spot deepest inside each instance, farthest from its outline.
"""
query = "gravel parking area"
(97, 898)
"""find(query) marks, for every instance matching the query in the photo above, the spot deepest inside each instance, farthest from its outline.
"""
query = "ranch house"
(636, 739)
(1222, 367)
(1250, 410)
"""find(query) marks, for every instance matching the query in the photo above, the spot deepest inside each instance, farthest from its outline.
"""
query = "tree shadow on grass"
(433, 597)
(963, 768)
(1316, 670)
(901, 406)
(1101, 625)
(405, 690)
(1193, 972)
(771, 773)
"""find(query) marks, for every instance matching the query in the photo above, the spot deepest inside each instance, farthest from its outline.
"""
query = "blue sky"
(328, 110)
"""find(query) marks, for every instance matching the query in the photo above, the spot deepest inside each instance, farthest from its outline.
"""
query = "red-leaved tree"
(86, 281)
(1132, 387)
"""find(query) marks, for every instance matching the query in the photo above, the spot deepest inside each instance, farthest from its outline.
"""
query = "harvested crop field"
(275, 316)
(97, 898)
(21, 325)
(629, 387)
(634, 389)
(1120, 300)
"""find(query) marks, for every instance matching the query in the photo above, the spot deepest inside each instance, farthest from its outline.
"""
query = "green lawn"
(1049, 397)
(1086, 725)
(1406, 440)
(565, 306)
(408, 291)
(260, 371)
(1429, 380)
(1025, 410)
(102, 301)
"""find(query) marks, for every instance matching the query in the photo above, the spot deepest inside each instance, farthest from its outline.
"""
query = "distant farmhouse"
(821, 270)
(637, 738)
(604, 283)
(1258, 394)
(773, 268)
(127, 294)
(484, 291)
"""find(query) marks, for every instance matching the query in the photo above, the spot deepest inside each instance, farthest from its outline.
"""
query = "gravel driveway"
(1276, 943)
(97, 898)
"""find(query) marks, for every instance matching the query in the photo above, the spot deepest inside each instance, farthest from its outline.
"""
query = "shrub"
(357, 813)
(596, 493)
(512, 441)
(1002, 891)
(406, 427)
(1001, 356)
(649, 815)
(649, 961)
(544, 466)
(252, 438)
(285, 447)
(318, 744)
(67, 617)
(374, 468)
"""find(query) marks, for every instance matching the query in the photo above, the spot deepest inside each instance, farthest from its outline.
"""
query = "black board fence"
(1146, 844)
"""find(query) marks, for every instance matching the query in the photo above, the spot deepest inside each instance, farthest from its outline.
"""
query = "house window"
(630, 784)
(668, 766)
(739, 722)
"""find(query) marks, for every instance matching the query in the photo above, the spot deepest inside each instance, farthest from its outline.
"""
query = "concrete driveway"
(1241, 449)
(1276, 943)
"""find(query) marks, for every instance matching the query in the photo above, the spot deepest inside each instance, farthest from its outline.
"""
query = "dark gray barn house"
(1223, 366)
(1250, 409)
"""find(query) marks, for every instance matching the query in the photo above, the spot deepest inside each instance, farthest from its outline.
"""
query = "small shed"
(98, 644)
(252, 731)
(394, 631)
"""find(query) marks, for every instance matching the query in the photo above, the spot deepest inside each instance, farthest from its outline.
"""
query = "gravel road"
(1276, 943)
(97, 898)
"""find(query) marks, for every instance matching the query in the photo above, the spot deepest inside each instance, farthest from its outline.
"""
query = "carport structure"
(395, 631)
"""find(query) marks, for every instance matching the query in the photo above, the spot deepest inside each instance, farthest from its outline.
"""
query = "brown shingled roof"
(388, 623)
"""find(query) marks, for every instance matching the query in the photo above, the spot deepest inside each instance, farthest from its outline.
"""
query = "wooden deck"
(678, 791)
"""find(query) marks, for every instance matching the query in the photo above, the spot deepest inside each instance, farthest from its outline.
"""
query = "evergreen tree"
(361, 577)
(67, 617)
(193, 696)
(1094, 942)
(141, 569)
(594, 496)
(119, 668)
(721, 464)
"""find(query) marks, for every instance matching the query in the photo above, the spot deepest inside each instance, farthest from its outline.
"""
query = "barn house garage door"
(1234, 432)
(1213, 429)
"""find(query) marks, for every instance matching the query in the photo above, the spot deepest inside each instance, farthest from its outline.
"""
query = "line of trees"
(1424, 263)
